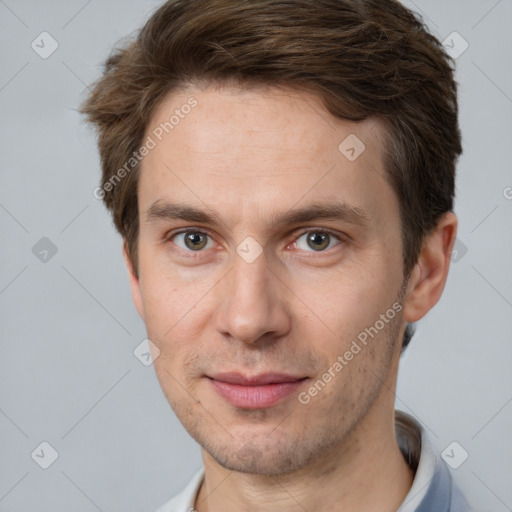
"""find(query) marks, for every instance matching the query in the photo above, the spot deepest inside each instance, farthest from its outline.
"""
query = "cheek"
(174, 317)
(160, 306)
(338, 304)
(164, 295)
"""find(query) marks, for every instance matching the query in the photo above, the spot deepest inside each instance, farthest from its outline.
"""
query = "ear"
(134, 282)
(428, 277)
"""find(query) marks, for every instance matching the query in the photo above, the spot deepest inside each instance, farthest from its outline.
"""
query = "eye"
(318, 240)
(192, 240)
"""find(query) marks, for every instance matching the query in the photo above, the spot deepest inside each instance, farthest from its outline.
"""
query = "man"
(282, 174)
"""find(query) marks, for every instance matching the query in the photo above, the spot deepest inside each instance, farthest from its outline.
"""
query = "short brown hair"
(361, 58)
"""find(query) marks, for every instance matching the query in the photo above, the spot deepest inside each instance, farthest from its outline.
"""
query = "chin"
(278, 458)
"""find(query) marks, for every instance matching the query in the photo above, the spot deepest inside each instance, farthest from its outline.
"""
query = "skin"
(248, 155)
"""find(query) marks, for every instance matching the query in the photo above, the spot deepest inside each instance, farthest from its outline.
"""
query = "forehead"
(274, 119)
(261, 150)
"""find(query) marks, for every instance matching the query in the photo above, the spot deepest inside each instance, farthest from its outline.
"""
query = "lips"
(256, 380)
(256, 392)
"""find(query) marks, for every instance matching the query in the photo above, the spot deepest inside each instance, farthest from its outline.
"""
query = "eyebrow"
(329, 210)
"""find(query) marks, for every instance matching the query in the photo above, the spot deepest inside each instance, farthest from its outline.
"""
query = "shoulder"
(433, 487)
(184, 501)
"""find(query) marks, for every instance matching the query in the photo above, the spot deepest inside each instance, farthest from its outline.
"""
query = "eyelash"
(197, 254)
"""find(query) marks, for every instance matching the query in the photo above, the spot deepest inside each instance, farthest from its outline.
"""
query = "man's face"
(212, 303)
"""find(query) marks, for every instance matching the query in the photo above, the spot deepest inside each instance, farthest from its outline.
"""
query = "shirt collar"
(432, 484)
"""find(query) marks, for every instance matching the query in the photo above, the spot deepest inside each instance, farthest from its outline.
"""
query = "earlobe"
(429, 276)
(134, 283)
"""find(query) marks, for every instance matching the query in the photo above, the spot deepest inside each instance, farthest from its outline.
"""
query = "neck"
(367, 472)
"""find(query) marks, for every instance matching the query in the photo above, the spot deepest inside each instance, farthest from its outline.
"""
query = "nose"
(253, 302)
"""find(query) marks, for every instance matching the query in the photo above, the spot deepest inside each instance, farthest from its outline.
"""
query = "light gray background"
(68, 327)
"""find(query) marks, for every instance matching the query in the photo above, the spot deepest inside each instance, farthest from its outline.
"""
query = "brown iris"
(318, 240)
(193, 240)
